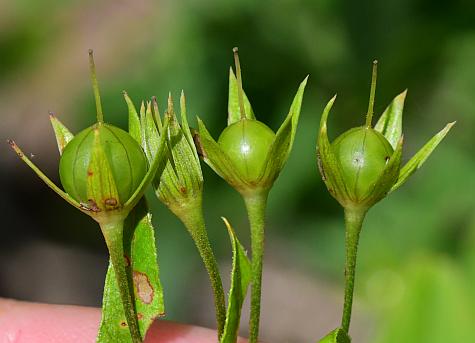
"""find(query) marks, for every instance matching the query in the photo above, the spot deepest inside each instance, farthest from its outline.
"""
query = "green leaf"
(63, 135)
(327, 162)
(390, 122)
(134, 122)
(234, 111)
(421, 156)
(217, 158)
(140, 252)
(240, 278)
(336, 336)
(282, 145)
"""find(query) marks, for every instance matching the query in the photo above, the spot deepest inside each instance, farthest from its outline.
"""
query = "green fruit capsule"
(247, 143)
(362, 154)
(123, 155)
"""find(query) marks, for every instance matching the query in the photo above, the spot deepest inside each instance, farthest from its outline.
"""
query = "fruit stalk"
(256, 206)
(113, 233)
(353, 221)
(192, 218)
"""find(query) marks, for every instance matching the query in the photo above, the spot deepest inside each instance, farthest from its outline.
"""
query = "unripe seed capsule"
(247, 143)
(362, 153)
(124, 155)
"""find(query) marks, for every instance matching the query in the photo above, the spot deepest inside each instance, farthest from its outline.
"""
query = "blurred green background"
(416, 274)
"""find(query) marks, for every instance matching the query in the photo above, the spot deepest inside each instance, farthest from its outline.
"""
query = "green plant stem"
(256, 207)
(113, 234)
(353, 222)
(192, 218)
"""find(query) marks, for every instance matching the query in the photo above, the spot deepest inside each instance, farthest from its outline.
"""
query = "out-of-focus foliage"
(417, 253)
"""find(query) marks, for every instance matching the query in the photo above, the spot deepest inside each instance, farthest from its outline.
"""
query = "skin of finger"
(23, 322)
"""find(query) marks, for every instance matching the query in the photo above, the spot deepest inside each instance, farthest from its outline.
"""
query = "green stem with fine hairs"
(192, 217)
(353, 222)
(256, 207)
(113, 234)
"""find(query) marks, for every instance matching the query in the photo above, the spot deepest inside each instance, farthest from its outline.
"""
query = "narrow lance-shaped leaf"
(282, 145)
(421, 156)
(142, 269)
(390, 122)
(234, 111)
(336, 336)
(240, 278)
(61, 132)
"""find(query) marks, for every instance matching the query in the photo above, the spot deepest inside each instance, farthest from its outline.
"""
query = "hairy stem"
(256, 207)
(192, 218)
(113, 233)
(353, 221)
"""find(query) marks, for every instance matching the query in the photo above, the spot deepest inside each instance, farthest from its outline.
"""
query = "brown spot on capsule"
(89, 172)
(183, 190)
(143, 287)
(92, 205)
(123, 324)
(110, 202)
(139, 316)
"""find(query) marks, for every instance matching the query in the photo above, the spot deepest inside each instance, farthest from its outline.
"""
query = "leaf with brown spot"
(139, 244)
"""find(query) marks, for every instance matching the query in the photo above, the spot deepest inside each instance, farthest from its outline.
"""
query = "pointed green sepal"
(217, 159)
(240, 279)
(421, 156)
(387, 179)
(182, 179)
(134, 121)
(284, 139)
(61, 132)
(149, 132)
(185, 127)
(43, 177)
(336, 336)
(390, 122)
(158, 160)
(234, 111)
(102, 192)
(328, 165)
